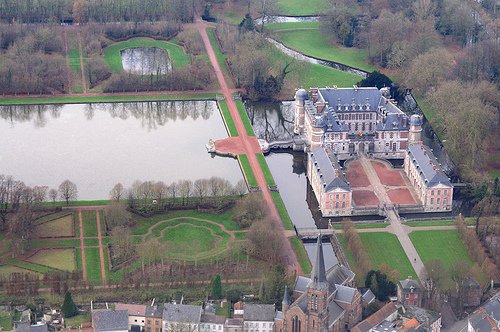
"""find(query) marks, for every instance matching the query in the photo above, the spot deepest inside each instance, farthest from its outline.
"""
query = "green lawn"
(247, 170)
(78, 259)
(102, 99)
(301, 253)
(91, 242)
(312, 75)
(445, 246)
(5, 321)
(61, 259)
(76, 321)
(228, 120)
(143, 224)
(221, 59)
(93, 264)
(55, 243)
(176, 54)
(30, 266)
(314, 43)
(61, 226)
(74, 63)
(280, 205)
(240, 235)
(244, 117)
(430, 223)
(292, 25)
(265, 169)
(301, 8)
(89, 223)
(382, 248)
(361, 226)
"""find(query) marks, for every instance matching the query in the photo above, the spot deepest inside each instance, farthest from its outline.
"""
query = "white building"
(258, 317)
(181, 317)
(212, 323)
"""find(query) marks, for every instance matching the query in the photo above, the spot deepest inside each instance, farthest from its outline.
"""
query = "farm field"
(382, 248)
(312, 42)
(444, 245)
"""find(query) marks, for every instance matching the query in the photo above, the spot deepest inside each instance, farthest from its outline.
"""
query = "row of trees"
(356, 246)
(46, 11)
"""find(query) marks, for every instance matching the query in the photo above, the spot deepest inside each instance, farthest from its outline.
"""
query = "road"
(249, 144)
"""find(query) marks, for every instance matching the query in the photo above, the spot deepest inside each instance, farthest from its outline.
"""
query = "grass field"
(62, 226)
(247, 170)
(102, 99)
(112, 54)
(221, 59)
(5, 321)
(8, 269)
(301, 253)
(89, 223)
(445, 246)
(301, 8)
(244, 117)
(430, 223)
(292, 25)
(312, 75)
(382, 248)
(76, 321)
(361, 226)
(228, 120)
(314, 43)
(240, 235)
(280, 205)
(265, 169)
(61, 259)
(93, 265)
(74, 63)
(187, 240)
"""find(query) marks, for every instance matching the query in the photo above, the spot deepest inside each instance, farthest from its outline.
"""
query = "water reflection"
(98, 145)
(271, 121)
(145, 61)
(151, 114)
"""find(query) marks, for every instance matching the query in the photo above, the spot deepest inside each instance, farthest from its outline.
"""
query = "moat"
(99, 145)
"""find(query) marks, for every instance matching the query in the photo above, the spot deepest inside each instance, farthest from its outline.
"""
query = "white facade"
(258, 326)
(211, 327)
(180, 327)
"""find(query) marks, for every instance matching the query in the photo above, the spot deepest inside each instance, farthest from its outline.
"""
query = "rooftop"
(427, 164)
(182, 313)
(133, 309)
(329, 169)
(259, 312)
(110, 320)
(377, 318)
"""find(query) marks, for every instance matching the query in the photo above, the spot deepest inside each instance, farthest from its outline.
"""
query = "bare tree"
(201, 188)
(68, 191)
(185, 189)
(116, 215)
(53, 195)
(117, 192)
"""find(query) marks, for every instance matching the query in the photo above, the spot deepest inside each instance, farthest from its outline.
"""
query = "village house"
(212, 323)
(414, 318)
(381, 320)
(136, 315)
(183, 317)
(487, 317)
(154, 317)
(410, 292)
(258, 317)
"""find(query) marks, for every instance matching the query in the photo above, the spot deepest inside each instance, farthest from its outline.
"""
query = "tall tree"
(68, 191)
(216, 287)
(69, 308)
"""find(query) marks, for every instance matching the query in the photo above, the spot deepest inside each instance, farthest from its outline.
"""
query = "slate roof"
(427, 164)
(212, 319)
(301, 284)
(375, 319)
(154, 311)
(345, 294)
(334, 312)
(327, 165)
(234, 322)
(407, 284)
(487, 317)
(347, 96)
(329, 255)
(182, 313)
(368, 296)
(422, 315)
(133, 309)
(26, 327)
(259, 312)
(318, 273)
(286, 297)
(339, 274)
(110, 320)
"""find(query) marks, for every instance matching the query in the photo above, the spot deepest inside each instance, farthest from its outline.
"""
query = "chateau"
(337, 124)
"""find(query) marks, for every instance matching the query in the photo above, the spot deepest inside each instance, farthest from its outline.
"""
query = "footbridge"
(296, 143)
(313, 232)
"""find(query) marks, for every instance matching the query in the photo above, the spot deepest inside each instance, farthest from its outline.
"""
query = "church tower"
(300, 98)
(415, 134)
(317, 293)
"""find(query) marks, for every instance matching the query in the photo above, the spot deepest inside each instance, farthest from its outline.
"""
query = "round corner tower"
(300, 98)
(415, 134)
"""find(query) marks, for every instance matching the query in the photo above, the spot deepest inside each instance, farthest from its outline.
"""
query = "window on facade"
(296, 324)
(343, 196)
(432, 192)
(438, 201)
(382, 135)
(432, 200)
(445, 201)
(343, 204)
(370, 126)
(337, 205)
(391, 135)
(337, 196)
(356, 126)
(363, 127)
(439, 192)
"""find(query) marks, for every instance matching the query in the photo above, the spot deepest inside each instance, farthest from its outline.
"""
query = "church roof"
(339, 274)
(345, 294)
(286, 297)
(334, 312)
(318, 274)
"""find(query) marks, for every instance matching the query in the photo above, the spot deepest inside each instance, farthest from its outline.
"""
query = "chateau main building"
(339, 123)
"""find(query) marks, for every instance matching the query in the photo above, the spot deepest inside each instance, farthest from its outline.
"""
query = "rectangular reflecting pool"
(98, 145)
